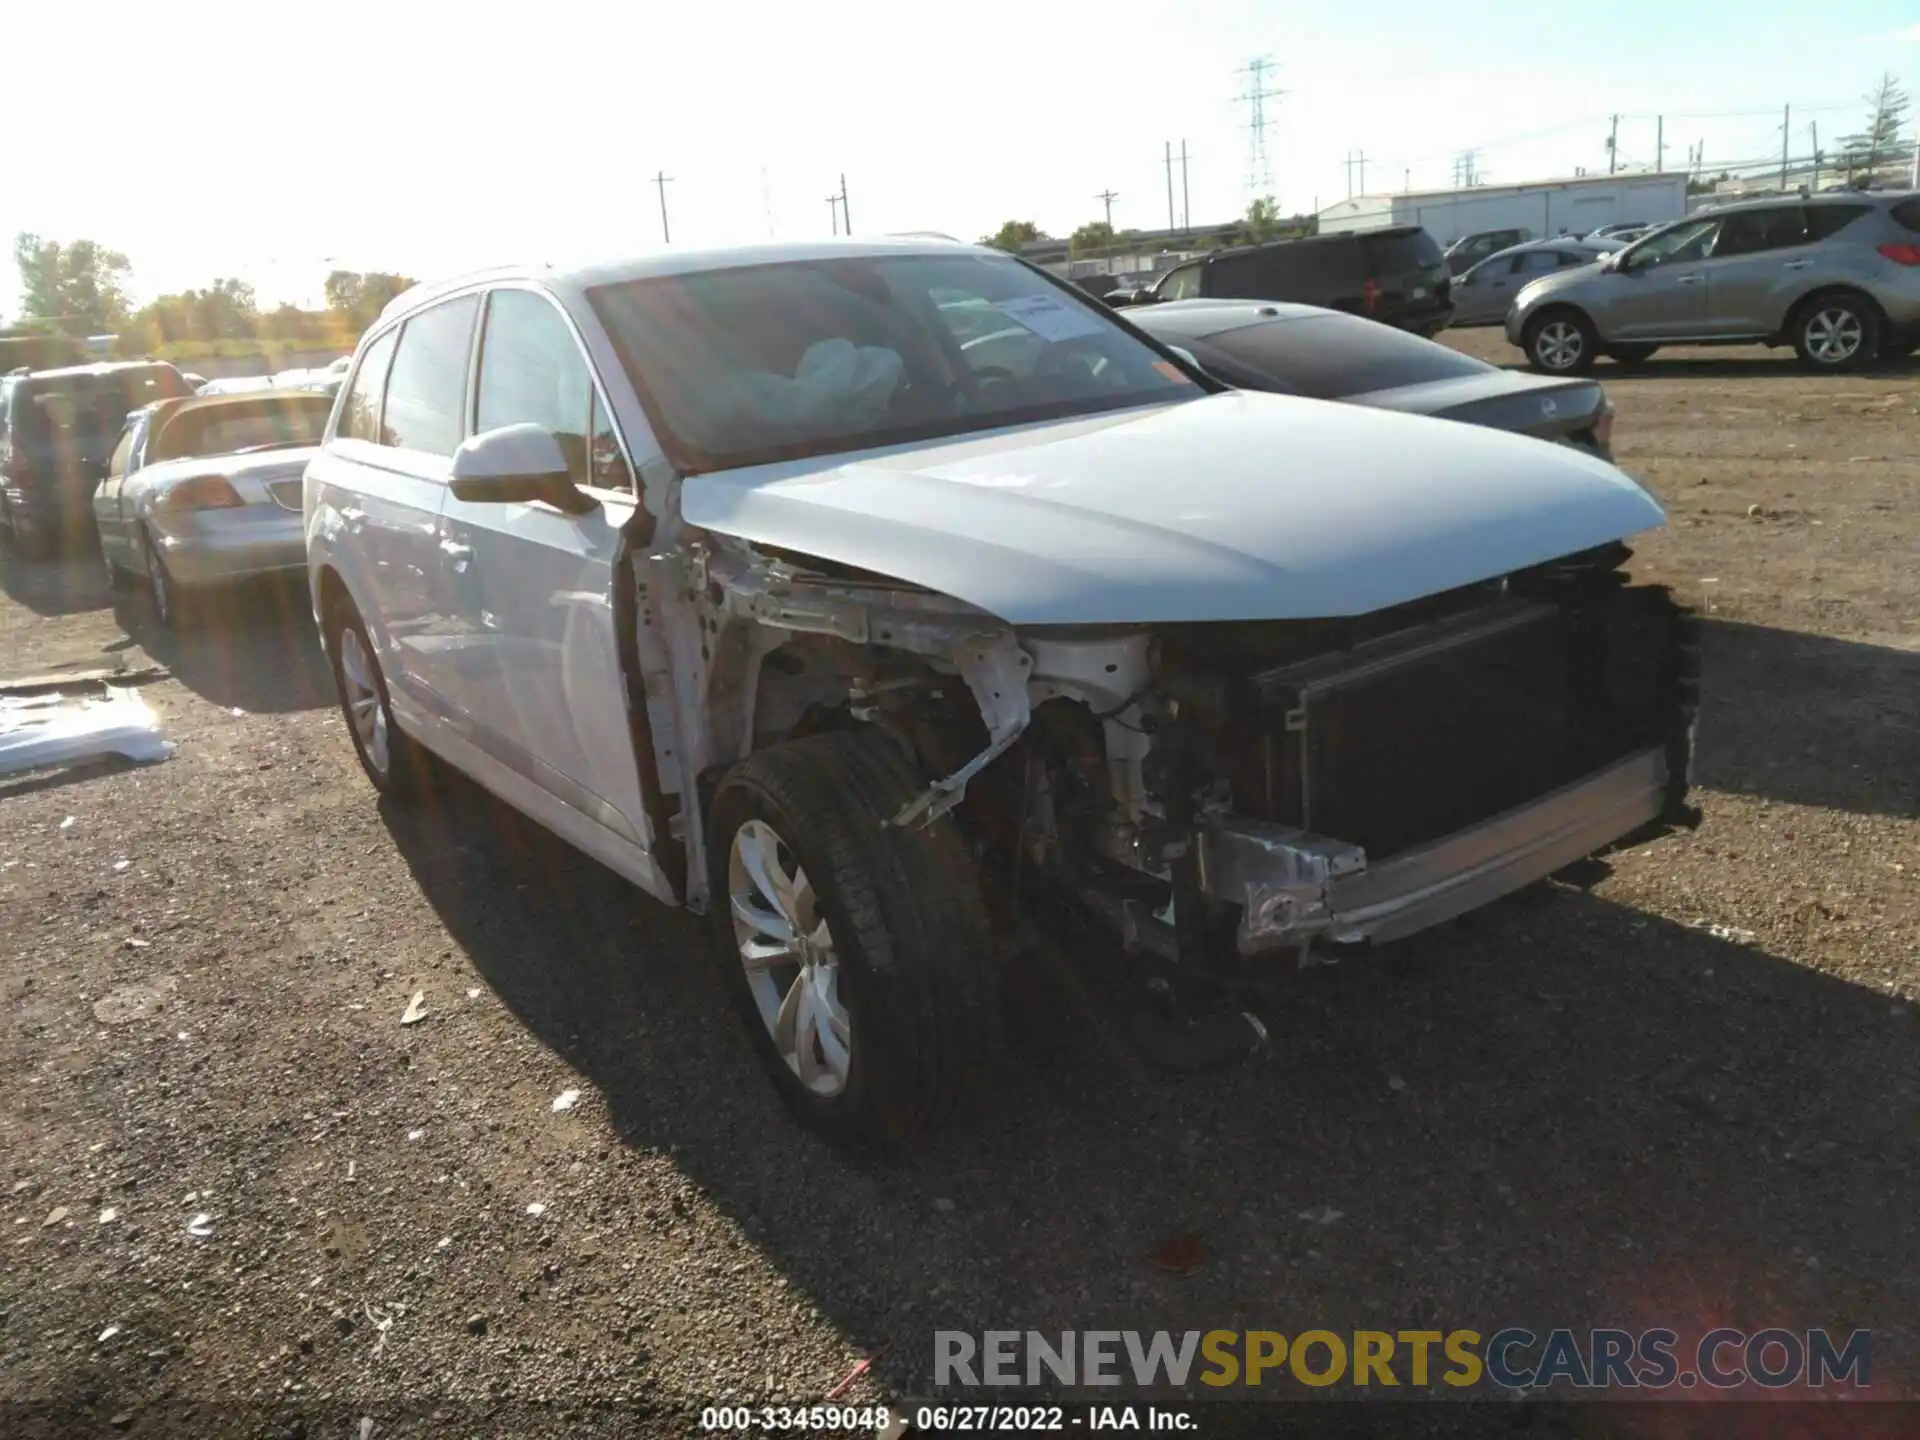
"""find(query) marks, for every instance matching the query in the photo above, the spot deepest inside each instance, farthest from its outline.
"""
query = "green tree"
(1012, 235)
(1261, 222)
(80, 286)
(360, 296)
(1884, 140)
(1094, 235)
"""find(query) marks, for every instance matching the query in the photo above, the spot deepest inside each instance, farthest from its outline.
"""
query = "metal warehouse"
(1543, 207)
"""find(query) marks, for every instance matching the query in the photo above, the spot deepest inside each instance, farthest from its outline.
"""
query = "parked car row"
(884, 600)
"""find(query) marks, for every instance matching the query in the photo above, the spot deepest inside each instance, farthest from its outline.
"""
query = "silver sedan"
(1481, 296)
(205, 491)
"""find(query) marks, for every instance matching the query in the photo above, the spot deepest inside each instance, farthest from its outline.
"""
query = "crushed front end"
(1360, 780)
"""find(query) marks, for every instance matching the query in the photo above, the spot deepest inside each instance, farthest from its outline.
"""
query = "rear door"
(1758, 255)
(115, 540)
(539, 675)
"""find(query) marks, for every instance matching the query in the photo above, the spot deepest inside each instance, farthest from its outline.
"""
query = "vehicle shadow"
(1734, 364)
(1809, 720)
(1564, 1112)
(249, 646)
(54, 585)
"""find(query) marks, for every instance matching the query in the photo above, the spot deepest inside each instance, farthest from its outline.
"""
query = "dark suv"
(57, 430)
(1397, 276)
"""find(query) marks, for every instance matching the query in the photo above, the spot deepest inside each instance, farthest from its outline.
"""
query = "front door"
(1658, 288)
(116, 535)
(539, 678)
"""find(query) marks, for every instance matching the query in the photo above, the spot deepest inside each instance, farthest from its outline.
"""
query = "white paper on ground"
(42, 730)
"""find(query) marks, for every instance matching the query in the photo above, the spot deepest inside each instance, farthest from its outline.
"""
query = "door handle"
(1798, 264)
(356, 519)
(1686, 279)
(459, 556)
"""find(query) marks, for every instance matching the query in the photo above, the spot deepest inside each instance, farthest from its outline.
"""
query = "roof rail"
(924, 235)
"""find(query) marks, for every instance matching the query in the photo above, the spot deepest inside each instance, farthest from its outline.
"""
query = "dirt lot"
(1687, 1095)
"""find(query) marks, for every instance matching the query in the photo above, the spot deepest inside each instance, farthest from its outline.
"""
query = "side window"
(427, 388)
(532, 372)
(361, 412)
(609, 463)
(123, 452)
(1748, 232)
(1825, 220)
(1180, 284)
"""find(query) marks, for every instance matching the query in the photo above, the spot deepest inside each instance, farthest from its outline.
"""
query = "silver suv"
(1835, 276)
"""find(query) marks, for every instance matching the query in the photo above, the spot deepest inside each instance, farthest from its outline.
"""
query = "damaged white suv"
(867, 596)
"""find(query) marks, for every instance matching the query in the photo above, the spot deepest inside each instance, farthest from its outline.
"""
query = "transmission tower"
(1259, 168)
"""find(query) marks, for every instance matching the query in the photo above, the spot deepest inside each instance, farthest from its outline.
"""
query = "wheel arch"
(1797, 311)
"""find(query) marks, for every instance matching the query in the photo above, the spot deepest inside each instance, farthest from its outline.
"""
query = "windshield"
(813, 357)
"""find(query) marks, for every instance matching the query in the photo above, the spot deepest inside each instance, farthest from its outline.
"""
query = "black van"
(1395, 275)
(57, 431)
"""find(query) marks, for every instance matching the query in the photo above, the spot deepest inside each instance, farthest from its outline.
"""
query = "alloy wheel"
(1559, 345)
(1834, 335)
(791, 964)
(364, 706)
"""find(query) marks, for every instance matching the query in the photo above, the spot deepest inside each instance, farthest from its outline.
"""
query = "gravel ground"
(1684, 1094)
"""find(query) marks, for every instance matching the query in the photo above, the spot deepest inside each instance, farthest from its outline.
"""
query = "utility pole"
(833, 212)
(1259, 168)
(1613, 147)
(846, 216)
(1186, 212)
(1813, 132)
(1406, 178)
(1108, 196)
(1356, 158)
(661, 182)
(1659, 144)
(1169, 184)
(1786, 136)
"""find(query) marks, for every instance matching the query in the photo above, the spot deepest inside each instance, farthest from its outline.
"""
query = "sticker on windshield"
(1048, 318)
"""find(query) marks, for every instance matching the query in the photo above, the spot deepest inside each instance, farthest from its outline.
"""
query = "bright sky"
(275, 142)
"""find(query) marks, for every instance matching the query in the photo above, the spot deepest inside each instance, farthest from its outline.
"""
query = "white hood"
(1232, 507)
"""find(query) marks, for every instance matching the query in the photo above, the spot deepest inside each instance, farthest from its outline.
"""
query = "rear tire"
(894, 937)
(1560, 342)
(1836, 333)
(169, 606)
(393, 762)
(1631, 354)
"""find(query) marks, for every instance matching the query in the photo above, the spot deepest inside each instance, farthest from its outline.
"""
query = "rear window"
(1907, 212)
(1401, 250)
(1825, 220)
(275, 421)
(1329, 357)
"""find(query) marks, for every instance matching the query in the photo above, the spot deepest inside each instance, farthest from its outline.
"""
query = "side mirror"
(515, 464)
(1187, 355)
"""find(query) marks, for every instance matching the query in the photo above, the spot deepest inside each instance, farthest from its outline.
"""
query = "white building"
(1544, 207)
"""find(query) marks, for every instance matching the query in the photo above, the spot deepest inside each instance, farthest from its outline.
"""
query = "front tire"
(1561, 342)
(857, 952)
(393, 763)
(1835, 333)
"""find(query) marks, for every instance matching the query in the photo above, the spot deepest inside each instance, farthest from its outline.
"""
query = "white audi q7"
(755, 576)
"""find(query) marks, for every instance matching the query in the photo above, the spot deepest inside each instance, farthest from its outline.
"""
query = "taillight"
(201, 492)
(1603, 427)
(1902, 254)
(1371, 294)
